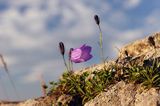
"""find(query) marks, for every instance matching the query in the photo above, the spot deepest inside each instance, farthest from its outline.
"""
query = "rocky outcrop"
(123, 94)
(141, 47)
(140, 52)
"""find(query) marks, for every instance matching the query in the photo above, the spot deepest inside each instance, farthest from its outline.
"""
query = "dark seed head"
(151, 41)
(126, 53)
(62, 48)
(70, 51)
(45, 86)
(96, 18)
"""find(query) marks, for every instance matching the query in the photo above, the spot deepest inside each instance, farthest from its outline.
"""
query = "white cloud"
(118, 18)
(27, 31)
(46, 68)
(129, 4)
(152, 22)
(129, 35)
(121, 38)
(10, 60)
(77, 13)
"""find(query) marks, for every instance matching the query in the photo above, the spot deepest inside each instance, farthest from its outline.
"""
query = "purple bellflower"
(81, 54)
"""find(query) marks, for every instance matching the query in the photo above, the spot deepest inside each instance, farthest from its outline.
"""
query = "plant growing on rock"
(69, 59)
(148, 75)
(86, 86)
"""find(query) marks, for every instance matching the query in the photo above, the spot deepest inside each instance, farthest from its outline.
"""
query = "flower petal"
(78, 60)
(86, 52)
(88, 57)
(83, 46)
(76, 54)
(81, 54)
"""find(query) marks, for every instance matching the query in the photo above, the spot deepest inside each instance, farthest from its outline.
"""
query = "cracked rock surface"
(123, 94)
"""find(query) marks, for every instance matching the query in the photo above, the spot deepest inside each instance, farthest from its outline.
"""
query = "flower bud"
(96, 18)
(70, 51)
(62, 48)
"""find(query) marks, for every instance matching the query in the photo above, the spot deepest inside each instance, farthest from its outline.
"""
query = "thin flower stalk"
(65, 63)
(101, 44)
(70, 62)
(97, 20)
(62, 50)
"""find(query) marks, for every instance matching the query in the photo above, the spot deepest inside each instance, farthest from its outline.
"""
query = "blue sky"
(30, 31)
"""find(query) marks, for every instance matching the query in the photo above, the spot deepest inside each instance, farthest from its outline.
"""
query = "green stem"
(101, 45)
(65, 63)
(70, 64)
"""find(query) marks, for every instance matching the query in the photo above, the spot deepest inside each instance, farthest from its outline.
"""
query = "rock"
(115, 96)
(41, 101)
(140, 50)
(140, 47)
(97, 67)
(64, 99)
(149, 97)
(123, 94)
(8, 103)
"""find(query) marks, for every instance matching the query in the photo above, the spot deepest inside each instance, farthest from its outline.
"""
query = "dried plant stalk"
(9, 76)
(4, 90)
(43, 86)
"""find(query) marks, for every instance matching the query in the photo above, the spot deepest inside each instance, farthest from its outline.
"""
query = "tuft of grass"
(86, 86)
(148, 76)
